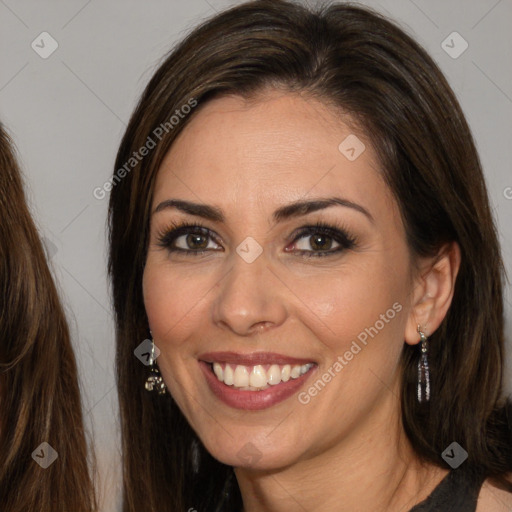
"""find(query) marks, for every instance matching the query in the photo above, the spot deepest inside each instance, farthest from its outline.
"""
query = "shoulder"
(492, 499)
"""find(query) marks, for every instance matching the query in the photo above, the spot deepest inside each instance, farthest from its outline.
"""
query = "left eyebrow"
(299, 208)
(295, 209)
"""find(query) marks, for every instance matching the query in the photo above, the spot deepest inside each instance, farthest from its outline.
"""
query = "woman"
(293, 235)
(42, 441)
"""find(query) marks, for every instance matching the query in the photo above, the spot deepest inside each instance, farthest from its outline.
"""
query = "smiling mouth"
(254, 381)
(258, 377)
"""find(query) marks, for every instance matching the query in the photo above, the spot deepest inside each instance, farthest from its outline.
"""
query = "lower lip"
(252, 400)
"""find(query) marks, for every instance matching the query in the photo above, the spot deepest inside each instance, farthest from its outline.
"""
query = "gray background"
(67, 114)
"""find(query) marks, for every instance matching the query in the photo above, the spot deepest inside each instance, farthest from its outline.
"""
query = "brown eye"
(319, 240)
(196, 241)
(187, 239)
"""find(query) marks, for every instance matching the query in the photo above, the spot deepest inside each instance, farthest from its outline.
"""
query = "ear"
(433, 292)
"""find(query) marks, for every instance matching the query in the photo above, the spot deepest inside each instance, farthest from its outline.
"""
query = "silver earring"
(155, 381)
(423, 371)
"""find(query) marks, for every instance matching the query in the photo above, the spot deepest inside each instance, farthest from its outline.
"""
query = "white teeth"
(305, 368)
(217, 369)
(241, 377)
(253, 378)
(258, 377)
(228, 375)
(274, 375)
(295, 372)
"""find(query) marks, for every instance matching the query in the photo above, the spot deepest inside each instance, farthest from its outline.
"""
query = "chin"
(252, 451)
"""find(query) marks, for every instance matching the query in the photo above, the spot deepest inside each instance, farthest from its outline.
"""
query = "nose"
(250, 298)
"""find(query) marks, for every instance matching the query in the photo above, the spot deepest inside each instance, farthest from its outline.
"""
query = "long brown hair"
(356, 61)
(39, 392)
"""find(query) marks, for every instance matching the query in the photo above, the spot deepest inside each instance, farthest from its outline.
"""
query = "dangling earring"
(155, 381)
(423, 371)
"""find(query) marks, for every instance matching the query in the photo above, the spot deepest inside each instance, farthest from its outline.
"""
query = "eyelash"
(337, 232)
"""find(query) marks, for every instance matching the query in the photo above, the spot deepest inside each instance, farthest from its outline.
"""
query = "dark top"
(456, 492)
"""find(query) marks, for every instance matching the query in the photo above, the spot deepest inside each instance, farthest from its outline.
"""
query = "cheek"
(156, 298)
(175, 301)
(359, 318)
(354, 304)
(169, 300)
(164, 299)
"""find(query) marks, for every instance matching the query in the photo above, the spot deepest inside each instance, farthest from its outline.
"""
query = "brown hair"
(39, 393)
(359, 62)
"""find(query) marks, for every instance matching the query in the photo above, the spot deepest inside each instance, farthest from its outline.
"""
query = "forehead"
(276, 148)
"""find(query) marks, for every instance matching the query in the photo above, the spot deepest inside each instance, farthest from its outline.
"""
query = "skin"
(345, 450)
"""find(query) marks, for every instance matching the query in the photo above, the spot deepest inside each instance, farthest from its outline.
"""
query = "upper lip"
(252, 359)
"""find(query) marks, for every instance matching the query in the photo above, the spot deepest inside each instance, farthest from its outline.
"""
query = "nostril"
(262, 325)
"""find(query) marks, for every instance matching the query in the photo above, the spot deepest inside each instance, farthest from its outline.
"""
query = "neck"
(373, 468)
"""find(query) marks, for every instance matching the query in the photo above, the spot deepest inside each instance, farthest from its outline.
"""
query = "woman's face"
(311, 325)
